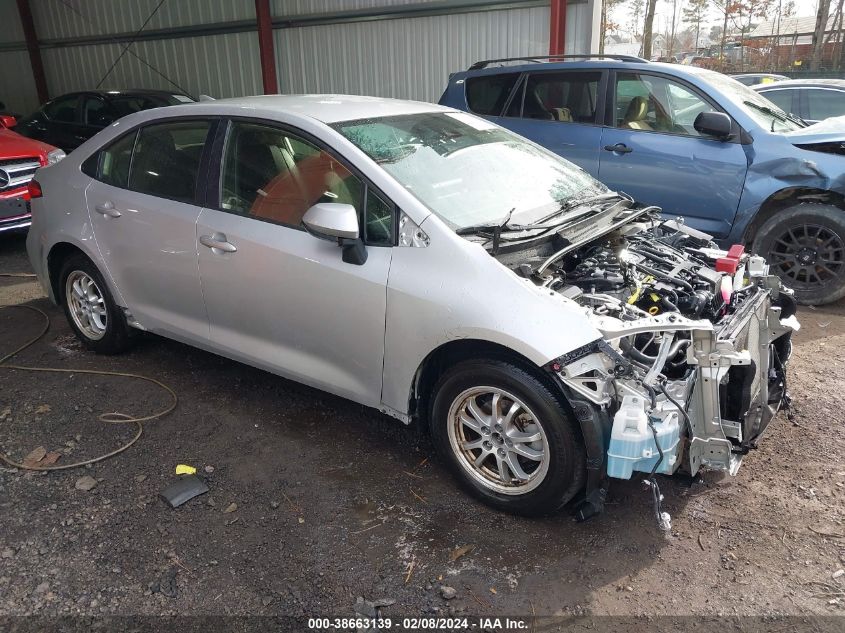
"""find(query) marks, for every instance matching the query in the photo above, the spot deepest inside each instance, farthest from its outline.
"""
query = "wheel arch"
(788, 197)
(452, 352)
(59, 253)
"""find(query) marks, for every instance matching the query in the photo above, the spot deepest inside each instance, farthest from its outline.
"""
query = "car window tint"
(822, 104)
(63, 109)
(114, 161)
(379, 220)
(273, 175)
(95, 112)
(781, 98)
(167, 158)
(566, 97)
(656, 104)
(124, 105)
(487, 95)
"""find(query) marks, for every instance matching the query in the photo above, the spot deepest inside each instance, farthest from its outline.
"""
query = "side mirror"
(339, 221)
(716, 124)
(332, 219)
(8, 121)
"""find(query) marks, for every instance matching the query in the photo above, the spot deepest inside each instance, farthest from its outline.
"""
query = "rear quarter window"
(488, 94)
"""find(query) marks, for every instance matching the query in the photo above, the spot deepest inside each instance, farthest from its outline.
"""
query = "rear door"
(651, 151)
(556, 109)
(144, 204)
(278, 297)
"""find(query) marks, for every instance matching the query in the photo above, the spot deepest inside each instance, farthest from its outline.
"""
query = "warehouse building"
(224, 48)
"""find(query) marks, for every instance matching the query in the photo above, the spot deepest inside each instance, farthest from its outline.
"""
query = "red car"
(19, 158)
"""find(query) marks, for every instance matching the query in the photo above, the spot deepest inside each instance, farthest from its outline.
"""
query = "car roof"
(624, 63)
(127, 92)
(757, 75)
(328, 108)
(805, 83)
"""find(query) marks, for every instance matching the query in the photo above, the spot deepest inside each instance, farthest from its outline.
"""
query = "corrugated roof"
(789, 26)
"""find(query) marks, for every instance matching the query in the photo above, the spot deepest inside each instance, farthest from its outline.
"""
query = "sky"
(663, 14)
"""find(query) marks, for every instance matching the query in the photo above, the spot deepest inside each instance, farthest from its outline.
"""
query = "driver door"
(651, 151)
(278, 297)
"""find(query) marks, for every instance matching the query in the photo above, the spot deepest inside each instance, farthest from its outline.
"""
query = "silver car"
(422, 261)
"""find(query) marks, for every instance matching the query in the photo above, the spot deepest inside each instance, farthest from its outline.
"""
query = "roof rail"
(536, 59)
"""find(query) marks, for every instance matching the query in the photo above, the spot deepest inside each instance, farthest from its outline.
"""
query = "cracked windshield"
(469, 171)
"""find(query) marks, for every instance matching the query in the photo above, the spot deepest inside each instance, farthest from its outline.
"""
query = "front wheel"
(507, 438)
(805, 247)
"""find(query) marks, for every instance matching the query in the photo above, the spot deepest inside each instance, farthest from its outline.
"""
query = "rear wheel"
(507, 438)
(805, 246)
(90, 309)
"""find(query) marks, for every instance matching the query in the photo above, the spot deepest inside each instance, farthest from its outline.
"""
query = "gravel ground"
(316, 503)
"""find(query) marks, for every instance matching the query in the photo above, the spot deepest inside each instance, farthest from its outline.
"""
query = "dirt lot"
(335, 501)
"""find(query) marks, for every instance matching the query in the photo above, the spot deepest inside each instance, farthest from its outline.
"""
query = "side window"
(657, 104)
(111, 165)
(379, 220)
(781, 98)
(167, 158)
(96, 112)
(567, 97)
(63, 109)
(822, 104)
(273, 175)
(488, 94)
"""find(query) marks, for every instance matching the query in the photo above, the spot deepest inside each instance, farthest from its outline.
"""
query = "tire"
(805, 247)
(552, 480)
(97, 321)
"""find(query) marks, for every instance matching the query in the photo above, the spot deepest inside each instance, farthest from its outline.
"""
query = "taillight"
(33, 190)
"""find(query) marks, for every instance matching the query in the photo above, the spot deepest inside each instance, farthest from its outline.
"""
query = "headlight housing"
(55, 156)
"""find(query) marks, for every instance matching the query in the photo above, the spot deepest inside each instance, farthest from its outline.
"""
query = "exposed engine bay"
(692, 366)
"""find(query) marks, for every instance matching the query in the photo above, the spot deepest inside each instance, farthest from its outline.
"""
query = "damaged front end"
(692, 365)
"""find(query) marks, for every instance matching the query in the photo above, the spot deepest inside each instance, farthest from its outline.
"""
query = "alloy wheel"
(498, 440)
(809, 255)
(87, 305)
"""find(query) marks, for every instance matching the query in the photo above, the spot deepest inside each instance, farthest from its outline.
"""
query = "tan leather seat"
(635, 115)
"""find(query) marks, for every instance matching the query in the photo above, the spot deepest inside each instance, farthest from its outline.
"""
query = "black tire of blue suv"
(805, 247)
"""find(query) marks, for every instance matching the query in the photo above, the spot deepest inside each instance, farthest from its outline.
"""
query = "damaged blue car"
(694, 142)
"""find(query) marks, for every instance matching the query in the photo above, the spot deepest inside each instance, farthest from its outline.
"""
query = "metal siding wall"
(55, 19)
(405, 58)
(216, 65)
(308, 7)
(579, 26)
(17, 85)
(12, 30)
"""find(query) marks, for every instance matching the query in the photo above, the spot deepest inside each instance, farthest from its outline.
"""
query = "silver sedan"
(424, 262)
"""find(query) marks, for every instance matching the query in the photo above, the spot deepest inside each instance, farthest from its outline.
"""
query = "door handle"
(218, 242)
(107, 208)
(619, 148)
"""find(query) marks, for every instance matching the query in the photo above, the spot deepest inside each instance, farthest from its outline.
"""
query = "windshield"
(467, 170)
(763, 111)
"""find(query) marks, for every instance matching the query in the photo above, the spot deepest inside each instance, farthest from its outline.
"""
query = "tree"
(694, 14)
(822, 16)
(606, 24)
(637, 7)
(647, 27)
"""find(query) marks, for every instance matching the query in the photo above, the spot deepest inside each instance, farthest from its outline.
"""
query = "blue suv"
(692, 141)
